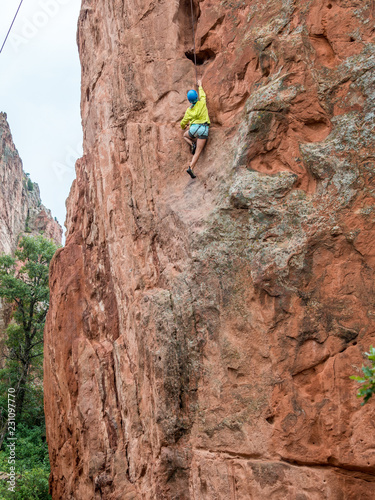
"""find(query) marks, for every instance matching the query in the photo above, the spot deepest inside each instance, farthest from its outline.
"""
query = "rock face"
(202, 333)
(21, 209)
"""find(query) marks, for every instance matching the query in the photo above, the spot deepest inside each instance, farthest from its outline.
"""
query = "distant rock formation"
(202, 332)
(21, 209)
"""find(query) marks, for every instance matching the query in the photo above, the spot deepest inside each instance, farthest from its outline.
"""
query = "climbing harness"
(11, 26)
(195, 53)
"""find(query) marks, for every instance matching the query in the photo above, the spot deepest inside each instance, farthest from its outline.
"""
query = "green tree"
(24, 283)
(32, 466)
(367, 379)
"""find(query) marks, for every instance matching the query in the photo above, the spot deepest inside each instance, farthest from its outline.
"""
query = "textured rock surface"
(21, 209)
(201, 333)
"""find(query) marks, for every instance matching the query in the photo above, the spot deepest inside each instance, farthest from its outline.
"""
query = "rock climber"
(199, 124)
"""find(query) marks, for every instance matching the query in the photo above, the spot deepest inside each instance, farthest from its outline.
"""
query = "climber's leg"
(188, 138)
(200, 145)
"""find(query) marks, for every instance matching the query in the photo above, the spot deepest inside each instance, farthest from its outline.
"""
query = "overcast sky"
(40, 92)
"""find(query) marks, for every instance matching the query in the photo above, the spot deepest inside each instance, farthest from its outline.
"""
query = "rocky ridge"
(21, 209)
(202, 333)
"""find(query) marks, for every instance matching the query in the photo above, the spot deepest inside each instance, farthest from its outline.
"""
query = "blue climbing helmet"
(192, 96)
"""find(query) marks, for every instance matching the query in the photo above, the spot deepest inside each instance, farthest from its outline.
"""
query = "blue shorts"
(199, 131)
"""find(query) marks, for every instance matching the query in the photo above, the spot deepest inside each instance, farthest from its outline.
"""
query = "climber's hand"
(199, 83)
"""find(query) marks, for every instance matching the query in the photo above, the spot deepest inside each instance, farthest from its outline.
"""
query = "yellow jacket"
(197, 113)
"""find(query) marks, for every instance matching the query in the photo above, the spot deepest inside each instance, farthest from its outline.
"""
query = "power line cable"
(11, 26)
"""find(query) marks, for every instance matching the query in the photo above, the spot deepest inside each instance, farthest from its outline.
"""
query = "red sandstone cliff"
(21, 209)
(201, 333)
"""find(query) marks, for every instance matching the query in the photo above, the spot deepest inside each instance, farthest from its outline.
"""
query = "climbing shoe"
(193, 148)
(191, 173)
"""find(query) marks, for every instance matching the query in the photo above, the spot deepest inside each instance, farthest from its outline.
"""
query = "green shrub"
(32, 466)
(367, 379)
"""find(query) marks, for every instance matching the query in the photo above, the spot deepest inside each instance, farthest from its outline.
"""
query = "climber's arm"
(185, 119)
(202, 94)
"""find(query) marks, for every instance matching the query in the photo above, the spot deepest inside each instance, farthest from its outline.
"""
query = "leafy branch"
(24, 284)
(367, 379)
